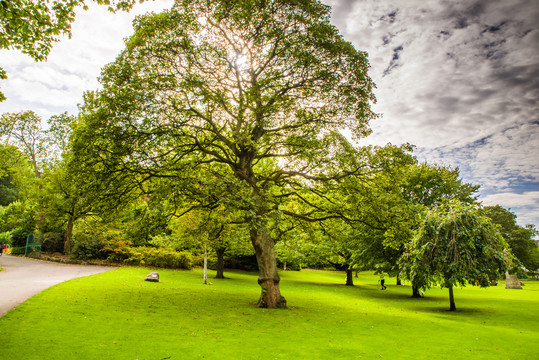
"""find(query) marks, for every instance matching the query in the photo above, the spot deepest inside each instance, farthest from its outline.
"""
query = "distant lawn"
(116, 315)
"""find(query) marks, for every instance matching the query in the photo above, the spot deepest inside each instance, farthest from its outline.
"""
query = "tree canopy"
(520, 238)
(455, 245)
(254, 92)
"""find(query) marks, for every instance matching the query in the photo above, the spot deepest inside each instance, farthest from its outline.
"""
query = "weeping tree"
(257, 90)
(455, 246)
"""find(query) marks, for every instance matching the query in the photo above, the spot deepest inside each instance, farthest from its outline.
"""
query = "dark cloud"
(391, 17)
(459, 79)
(394, 61)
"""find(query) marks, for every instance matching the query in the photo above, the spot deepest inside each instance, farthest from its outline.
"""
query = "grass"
(116, 315)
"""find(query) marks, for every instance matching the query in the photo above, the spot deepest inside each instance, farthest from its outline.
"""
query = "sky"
(459, 79)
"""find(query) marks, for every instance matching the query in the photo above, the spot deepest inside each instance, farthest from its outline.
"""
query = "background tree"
(260, 88)
(24, 131)
(520, 239)
(15, 175)
(455, 245)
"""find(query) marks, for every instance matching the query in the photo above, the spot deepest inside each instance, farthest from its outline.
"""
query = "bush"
(53, 242)
(5, 237)
(117, 249)
(20, 250)
(88, 246)
(242, 262)
(19, 237)
(157, 257)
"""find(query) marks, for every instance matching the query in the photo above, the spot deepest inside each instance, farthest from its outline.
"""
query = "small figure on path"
(382, 281)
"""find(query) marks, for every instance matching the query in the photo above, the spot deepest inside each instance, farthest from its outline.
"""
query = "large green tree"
(255, 90)
(455, 245)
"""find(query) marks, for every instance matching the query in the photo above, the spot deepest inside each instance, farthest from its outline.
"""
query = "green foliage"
(242, 262)
(89, 241)
(19, 236)
(161, 257)
(121, 250)
(520, 239)
(8, 190)
(144, 220)
(455, 246)
(5, 237)
(53, 242)
(17, 215)
(18, 250)
(16, 175)
(23, 129)
(94, 239)
(234, 105)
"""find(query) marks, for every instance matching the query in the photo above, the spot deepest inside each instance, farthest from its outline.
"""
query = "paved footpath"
(23, 278)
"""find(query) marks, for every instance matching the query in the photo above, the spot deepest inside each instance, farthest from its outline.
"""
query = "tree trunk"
(68, 235)
(205, 265)
(220, 263)
(511, 281)
(268, 278)
(452, 306)
(415, 291)
(399, 280)
(349, 277)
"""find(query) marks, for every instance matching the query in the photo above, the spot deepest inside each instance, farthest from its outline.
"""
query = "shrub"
(88, 246)
(19, 237)
(19, 250)
(242, 262)
(93, 239)
(118, 249)
(53, 242)
(5, 237)
(157, 257)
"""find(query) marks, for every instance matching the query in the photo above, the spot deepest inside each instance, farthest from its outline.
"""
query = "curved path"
(23, 278)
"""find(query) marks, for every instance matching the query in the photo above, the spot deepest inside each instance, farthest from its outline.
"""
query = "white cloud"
(459, 79)
(525, 206)
(73, 65)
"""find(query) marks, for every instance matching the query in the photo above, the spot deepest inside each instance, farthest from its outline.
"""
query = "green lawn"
(116, 315)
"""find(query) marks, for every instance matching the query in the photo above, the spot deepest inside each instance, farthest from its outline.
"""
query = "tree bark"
(68, 235)
(452, 306)
(349, 277)
(511, 281)
(399, 280)
(220, 263)
(268, 278)
(415, 291)
(205, 282)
